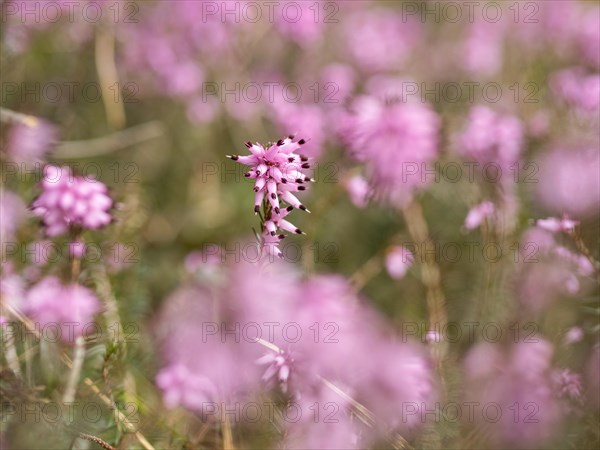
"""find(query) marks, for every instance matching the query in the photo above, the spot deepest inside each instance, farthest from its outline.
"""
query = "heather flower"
(569, 181)
(547, 271)
(279, 367)
(298, 23)
(380, 39)
(573, 335)
(484, 47)
(397, 261)
(556, 225)
(359, 191)
(72, 307)
(69, 201)
(489, 137)
(568, 384)
(395, 141)
(29, 142)
(478, 214)
(578, 89)
(325, 423)
(277, 170)
(182, 386)
(204, 357)
(518, 380)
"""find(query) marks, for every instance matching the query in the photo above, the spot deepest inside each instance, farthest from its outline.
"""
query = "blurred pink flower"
(573, 335)
(182, 386)
(279, 367)
(396, 142)
(517, 379)
(483, 51)
(380, 39)
(478, 214)
(556, 225)
(30, 142)
(489, 137)
(69, 200)
(299, 21)
(578, 89)
(398, 260)
(546, 271)
(70, 307)
(568, 384)
(359, 191)
(569, 181)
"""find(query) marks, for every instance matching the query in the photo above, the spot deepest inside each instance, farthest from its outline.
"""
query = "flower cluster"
(71, 306)
(68, 201)
(277, 170)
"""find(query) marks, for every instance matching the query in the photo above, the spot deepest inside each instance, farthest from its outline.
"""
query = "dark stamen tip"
(298, 231)
(248, 144)
(301, 142)
(303, 158)
(277, 210)
(289, 208)
(257, 209)
(306, 166)
(280, 142)
(284, 181)
(273, 233)
(291, 159)
(281, 236)
(301, 188)
(273, 196)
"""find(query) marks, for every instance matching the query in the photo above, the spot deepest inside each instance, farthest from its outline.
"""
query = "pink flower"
(517, 379)
(568, 384)
(547, 271)
(380, 39)
(395, 141)
(578, 89)
(71, 201)
(279, 367)
(398, 260)
(478, 214)
(573, 335)
(70, 307)
(277, 170)
(359, 191)
(489, 137)
(569, 181)
(556, 225)
(181, 386)
(484, 47)
(30, 142)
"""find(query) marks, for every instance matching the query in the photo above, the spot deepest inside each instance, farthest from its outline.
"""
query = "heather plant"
(404, 255)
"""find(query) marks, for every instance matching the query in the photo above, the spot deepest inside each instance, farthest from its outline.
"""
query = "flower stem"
(78, 357)
(430, 275)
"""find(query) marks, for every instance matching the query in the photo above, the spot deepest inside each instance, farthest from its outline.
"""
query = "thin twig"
(97, 440)
(111, 143)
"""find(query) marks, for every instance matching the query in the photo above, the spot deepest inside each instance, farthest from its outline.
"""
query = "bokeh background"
(150, 96)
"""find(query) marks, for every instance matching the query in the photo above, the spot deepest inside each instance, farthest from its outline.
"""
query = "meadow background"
(149, 98)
